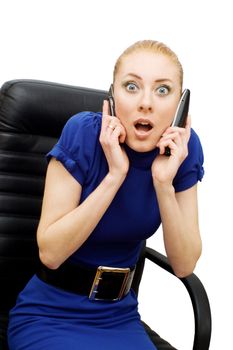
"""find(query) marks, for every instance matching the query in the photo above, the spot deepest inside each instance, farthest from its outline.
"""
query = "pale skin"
(144, 95)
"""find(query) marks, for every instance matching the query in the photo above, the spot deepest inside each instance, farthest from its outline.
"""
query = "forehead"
(148, 65)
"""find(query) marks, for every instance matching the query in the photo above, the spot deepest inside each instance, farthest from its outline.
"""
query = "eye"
(163, 90)
(130, 86)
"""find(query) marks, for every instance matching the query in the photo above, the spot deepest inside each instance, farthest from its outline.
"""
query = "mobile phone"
(111, 101)
(181, 114)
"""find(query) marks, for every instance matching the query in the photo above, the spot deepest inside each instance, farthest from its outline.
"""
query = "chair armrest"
(198, 296)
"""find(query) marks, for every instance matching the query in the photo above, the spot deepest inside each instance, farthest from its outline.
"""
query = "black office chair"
(32, 115)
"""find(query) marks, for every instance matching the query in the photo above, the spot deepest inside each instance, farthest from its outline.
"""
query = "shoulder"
(81, 131)
(194, 141)
(191, 170)
(83, 122)
(195, 150)
(77, 144)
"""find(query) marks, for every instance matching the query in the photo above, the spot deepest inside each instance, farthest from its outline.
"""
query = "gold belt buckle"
(98, 278)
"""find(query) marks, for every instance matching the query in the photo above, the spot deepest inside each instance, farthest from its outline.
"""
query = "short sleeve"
(191, 170)
(76, 146)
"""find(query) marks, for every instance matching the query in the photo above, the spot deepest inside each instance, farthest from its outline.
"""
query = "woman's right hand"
(111, 136)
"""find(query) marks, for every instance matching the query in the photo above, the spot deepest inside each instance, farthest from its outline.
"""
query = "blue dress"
(46, 317)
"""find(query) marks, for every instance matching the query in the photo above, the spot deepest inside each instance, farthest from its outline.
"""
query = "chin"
(140, 146)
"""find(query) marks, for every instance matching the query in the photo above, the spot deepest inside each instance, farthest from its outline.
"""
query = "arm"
(65, 224)
(179, 216)
(178, 211)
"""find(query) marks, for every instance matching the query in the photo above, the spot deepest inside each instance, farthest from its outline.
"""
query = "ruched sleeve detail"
(191, 170)
(76, 146)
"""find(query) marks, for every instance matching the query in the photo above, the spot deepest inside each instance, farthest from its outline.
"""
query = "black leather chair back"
(32, 115)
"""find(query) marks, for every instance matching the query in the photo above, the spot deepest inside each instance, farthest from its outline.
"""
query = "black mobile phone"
(181, 114)
(111, 101)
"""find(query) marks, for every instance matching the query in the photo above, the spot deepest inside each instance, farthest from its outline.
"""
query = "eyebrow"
(156, 80)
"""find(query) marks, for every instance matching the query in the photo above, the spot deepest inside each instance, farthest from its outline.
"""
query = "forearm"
(62, 238)
(181, 232)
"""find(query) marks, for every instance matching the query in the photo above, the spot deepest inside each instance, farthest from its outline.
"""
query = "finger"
(164, 140)
(109, 128)
(171, 140)
(181, 139)
(174, 135)
(112, 123)
(188, 122)
(118, 133)
(115, 131)
(106, 118)
(188, 128)
(122, 135)
(105, 109)
(173, 129)
(104, 114)
(168, 143)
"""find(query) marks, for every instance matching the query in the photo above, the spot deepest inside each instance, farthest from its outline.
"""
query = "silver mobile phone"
(181, 114)
(111, 101)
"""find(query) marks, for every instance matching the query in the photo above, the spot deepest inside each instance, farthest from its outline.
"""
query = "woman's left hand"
(164, 168)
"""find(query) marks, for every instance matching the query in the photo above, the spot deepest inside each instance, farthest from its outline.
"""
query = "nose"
(145, 103)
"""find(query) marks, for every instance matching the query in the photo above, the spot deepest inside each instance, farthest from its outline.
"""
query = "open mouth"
(143, 126)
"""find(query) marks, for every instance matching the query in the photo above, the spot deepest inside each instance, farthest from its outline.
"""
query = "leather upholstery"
(32, 115)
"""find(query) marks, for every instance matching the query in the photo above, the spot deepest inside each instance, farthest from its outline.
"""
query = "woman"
(108, 188)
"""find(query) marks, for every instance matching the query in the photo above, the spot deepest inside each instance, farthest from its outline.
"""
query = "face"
(146, 92)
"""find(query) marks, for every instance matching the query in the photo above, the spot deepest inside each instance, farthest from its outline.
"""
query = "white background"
(77, 42)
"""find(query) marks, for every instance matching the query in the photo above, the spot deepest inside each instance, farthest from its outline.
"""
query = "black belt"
(101, 283)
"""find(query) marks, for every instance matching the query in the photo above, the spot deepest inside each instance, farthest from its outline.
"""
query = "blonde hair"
(155, 47)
